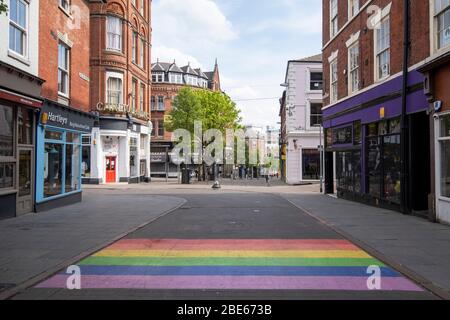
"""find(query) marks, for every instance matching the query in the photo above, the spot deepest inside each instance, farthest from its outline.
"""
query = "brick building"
(168, 79)
(64, 118)
(375, 110)
(119, 148)
(437, 77)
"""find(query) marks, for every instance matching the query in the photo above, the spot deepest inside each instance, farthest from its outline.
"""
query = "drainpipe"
(404, 118)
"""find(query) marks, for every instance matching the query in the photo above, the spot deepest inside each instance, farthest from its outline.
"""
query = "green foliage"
(214, 110)
(3, 7)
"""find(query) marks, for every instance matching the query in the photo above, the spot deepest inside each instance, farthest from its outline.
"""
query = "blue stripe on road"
(231, 271)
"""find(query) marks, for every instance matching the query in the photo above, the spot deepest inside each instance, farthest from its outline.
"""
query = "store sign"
(62, 117)
(158, 157)
(20, 99)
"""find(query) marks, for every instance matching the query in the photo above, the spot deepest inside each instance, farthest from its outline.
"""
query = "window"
(114, 33)
(161, 103)
(382, 45)
(158, 77)
(142, 7)
(7, 161)
(176, 78)
(63, 69)
(142, 54)
(333, 17)
(154, 125)
(316, 81)
(133, 94)
(191, 80)
(161, 128)
(348, 171)
(133, 2)
(353, 8)
(141, 97)
(53, 164)
(442, 17)
(311, 164)
(444, 141)
(18, 15)
(65, 4)
(25, 120)
(334, 81)
(316, 114)
(153, 103)
(72, 173)
(114, 91)
(134, 47)
(86, 156)
(353, 67)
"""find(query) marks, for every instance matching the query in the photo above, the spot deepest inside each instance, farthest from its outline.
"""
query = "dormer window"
(158, 77)
(176, 78)
(191, 80)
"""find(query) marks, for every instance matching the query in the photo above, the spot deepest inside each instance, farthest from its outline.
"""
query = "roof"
(316, 58)
(201, 73)
(210, 75)
(188, 70)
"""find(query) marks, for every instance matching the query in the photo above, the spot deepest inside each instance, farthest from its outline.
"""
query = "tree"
(3, 7)
(214, 110)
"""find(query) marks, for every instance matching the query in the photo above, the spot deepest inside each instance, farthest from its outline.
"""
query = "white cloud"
(190, 23)
(165, 54)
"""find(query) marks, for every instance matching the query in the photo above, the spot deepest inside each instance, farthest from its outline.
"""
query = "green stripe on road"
(287, 262)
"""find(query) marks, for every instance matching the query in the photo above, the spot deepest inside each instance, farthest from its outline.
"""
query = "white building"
(303, 82)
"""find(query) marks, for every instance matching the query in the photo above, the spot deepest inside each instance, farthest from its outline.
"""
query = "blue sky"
(252, 40)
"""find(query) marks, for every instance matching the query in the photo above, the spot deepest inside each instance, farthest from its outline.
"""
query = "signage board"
(59, 116)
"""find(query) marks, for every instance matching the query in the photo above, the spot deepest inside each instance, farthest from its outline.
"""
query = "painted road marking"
(326, 264)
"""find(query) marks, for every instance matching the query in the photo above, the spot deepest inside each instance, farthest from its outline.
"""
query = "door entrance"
(25, 179)
(111, 169)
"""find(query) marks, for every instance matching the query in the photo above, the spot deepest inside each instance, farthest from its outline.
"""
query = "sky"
(251, 39)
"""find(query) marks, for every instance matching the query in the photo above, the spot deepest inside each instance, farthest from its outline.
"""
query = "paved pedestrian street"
(231, 246)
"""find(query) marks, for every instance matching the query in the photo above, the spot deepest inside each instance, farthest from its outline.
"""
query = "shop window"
(348, 171)
(72, 165)
(329, 137)
(143, 168)
(343, 135)
(25, 121)
(374, 166)
(133, 157)
(86, 156)
(384, 160)
(6, 175)
(311, 164)
(357, 133)
(392, 168)
(444, 141)
(53, 164)
(25, 173)
(72, 137)
(6, 132)
(53, 135)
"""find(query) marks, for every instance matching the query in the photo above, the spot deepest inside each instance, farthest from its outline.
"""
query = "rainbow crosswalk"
(232, 265)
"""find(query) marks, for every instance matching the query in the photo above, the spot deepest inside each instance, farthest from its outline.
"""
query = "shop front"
(59, 155)
(437, 73)
(364, 147)
(118, 151)
(19, 108)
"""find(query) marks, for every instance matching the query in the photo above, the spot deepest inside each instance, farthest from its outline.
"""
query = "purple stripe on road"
(232, 283)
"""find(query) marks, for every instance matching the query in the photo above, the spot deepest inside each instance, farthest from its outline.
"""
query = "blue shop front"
(58, 155)
(363, 160)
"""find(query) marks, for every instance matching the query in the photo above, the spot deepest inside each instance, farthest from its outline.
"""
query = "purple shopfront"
(363, 159)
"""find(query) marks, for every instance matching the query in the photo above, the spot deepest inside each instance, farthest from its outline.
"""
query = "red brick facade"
(71, 28)
(104, 60)
(420, 43)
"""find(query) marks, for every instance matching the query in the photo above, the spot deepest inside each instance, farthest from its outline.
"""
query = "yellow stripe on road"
(235, 253)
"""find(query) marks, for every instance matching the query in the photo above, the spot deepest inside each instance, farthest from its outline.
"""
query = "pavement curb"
(9, 293)
(424, 283)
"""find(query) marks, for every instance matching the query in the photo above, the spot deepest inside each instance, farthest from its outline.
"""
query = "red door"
(110, 169)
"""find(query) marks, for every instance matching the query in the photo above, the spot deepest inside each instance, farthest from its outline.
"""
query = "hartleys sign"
(61, 117)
